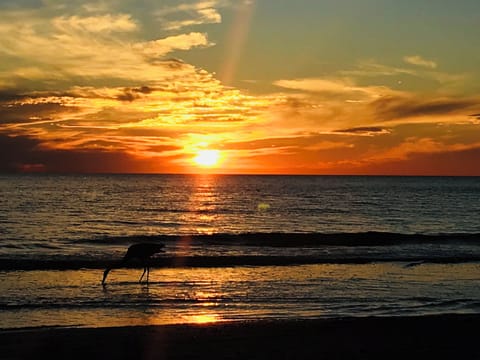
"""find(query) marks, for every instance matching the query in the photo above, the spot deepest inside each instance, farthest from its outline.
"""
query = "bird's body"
(141, 251)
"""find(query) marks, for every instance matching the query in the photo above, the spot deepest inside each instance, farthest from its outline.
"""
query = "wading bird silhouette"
(143, 252)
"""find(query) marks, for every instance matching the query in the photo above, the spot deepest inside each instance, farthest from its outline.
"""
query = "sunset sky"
(265, 86)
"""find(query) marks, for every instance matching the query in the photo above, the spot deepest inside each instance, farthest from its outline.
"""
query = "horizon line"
(73, 173)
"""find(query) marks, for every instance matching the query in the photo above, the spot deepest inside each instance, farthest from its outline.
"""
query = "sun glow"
(207, 158)
(204, 318)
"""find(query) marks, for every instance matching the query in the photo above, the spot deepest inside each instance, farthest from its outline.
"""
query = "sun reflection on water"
(202, 204)
(211, 295)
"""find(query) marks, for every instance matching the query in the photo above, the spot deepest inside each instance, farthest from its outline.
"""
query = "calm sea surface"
(237, 248)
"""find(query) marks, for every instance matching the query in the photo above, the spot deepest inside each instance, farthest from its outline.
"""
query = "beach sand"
(425, 337)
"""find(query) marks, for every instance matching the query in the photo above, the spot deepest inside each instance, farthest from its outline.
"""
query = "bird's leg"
(141, 277)
(148, 273)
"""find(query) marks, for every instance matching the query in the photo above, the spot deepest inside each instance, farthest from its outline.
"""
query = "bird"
(140, 251)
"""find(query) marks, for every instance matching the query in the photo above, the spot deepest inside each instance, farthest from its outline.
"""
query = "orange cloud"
(108, 99)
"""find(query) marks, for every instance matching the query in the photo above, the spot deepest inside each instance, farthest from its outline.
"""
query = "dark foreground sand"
(432, 337)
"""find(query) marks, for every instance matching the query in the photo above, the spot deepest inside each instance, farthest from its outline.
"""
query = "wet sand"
(425, 337)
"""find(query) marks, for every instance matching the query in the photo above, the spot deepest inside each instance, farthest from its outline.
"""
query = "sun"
(207, 158)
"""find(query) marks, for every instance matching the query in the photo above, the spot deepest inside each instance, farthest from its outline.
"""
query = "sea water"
(236, 248)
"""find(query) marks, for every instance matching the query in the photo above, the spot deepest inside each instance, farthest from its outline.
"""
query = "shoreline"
(433, 336)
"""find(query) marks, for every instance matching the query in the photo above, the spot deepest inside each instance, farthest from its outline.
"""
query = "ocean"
(237, 248)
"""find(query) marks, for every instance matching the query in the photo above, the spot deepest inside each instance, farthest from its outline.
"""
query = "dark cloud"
(18, 113)
(131, 94)
(127, 96)
(373, 130)
(162, 148)
(263, 143)
(454, 163)
(143, 89)
(24, 154)
(7, 96)
(390, 108)
(15, 151)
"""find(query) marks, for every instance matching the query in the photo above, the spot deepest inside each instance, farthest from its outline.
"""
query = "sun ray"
(237, 38)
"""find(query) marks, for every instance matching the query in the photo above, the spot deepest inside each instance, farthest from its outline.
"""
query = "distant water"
(237, 247)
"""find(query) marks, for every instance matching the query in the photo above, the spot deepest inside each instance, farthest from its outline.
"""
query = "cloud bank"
(91, 88)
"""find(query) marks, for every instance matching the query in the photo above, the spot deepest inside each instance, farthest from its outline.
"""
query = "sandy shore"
(427, 337)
